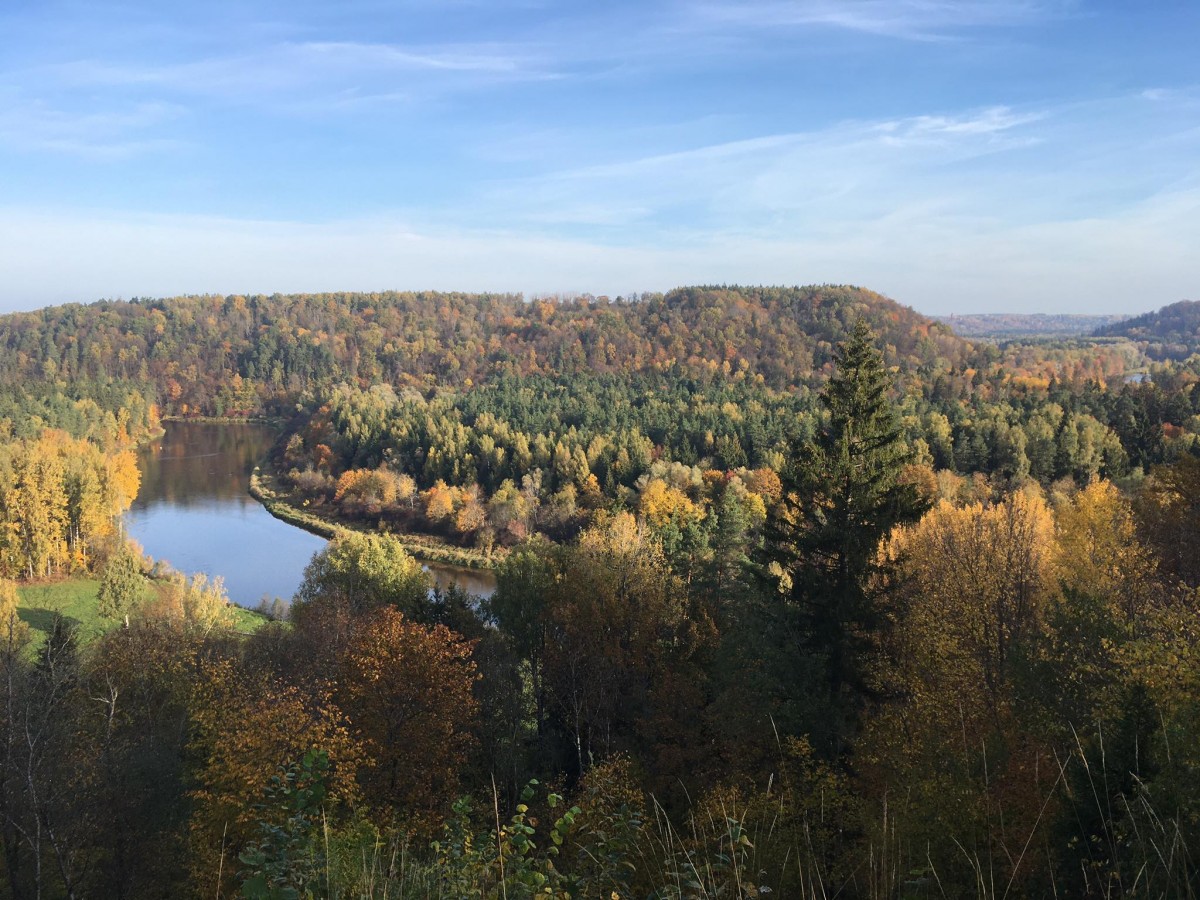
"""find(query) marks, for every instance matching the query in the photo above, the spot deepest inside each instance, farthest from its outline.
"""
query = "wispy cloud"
(108, 109)
(1179, 96)
(993, 122)
(128, 130)
(848, 171)
(924, 20)
(387, 56)
(1124, 262)
(330, 67)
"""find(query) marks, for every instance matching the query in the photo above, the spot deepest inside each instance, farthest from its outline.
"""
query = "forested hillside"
(1172, 332)
(228, 355)
(797, 595)
(483, 418)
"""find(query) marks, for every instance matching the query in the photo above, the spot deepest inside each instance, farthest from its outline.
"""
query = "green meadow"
(75, 600)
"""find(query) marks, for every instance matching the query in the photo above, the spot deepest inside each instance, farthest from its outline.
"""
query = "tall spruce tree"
(842, 494)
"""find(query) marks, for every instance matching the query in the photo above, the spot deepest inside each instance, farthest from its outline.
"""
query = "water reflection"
(201, 463)
(482, 584)
(193, 511)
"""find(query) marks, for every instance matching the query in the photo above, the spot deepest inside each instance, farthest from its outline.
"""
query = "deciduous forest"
(799, 593)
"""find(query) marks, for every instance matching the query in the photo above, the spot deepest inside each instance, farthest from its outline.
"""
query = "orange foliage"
(243, 733)
(409, 691)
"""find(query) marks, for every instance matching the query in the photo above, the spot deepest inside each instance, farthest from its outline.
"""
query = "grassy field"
(75, 598)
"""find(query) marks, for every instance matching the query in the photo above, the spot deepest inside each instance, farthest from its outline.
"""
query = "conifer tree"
(842, 494)
(122, 587)
(728, 540)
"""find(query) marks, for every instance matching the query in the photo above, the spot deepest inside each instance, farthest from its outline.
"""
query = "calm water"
(193, 511)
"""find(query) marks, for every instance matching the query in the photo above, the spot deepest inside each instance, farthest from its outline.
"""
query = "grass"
(76, 600)
(73, 598)
(246, 620)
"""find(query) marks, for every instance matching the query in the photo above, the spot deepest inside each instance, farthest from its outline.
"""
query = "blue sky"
(970, 156)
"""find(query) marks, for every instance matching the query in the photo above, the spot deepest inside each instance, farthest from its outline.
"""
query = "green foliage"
(716, 871)
(287, 861)
(1011, 711)
(1169, 509)
(106, 411)
(509, 862)
(842, 495)
(122, 586)
(227, 355)
(363, 572)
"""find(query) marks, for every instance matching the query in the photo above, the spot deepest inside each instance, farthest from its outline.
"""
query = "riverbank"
(264, 488)
(226, 420)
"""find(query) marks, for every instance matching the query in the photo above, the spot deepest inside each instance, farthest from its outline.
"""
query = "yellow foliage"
(979, 577)
(377, 487)
(439, 501)
(756, 510)
(471, 516)
(408, 689)
(661, 503)
(766, 483)
(977, 581)
(13, 632)
(58, 496)
(124, 479)
(1099, 552)
(244, 732)
(198, 604)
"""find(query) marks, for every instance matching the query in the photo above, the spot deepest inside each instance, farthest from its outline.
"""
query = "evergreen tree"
(730, 529)
(122, 586)
(1066, 446)
(842, 495)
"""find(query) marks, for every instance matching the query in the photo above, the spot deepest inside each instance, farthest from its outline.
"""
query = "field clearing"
(76, 599)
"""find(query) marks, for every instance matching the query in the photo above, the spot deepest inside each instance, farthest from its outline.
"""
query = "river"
(193, 511)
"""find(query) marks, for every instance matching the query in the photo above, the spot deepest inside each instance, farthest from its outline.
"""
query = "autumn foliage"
(407, 690)
(59, 500)
(902, 617)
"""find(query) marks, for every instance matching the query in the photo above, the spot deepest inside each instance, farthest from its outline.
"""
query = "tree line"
(67, 474)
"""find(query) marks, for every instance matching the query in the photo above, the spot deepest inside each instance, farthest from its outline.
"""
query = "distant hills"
(1022, 325)
(1172, 332)
(210, 354)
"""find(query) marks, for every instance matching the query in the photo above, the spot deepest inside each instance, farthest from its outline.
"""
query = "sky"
(956, 155)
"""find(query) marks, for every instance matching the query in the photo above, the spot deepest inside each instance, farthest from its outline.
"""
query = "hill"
(1022, 325)
(1172, 332)
(233, 355)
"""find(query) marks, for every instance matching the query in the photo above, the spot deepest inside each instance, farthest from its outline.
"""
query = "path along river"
(193, 512)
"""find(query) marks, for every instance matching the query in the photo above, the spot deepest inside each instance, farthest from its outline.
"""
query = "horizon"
(571, 296)
(982, 157)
